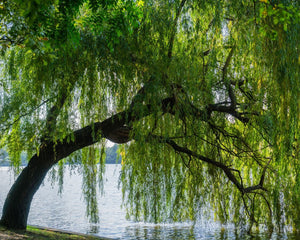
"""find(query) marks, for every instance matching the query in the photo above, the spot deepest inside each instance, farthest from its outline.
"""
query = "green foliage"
(231, 69)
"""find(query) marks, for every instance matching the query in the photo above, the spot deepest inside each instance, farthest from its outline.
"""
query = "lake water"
(67, 212)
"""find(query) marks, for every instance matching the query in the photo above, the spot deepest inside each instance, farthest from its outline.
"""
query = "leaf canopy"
(228, 139)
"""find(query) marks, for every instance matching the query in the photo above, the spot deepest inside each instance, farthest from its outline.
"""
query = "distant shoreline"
(112, 157)
(67, 164)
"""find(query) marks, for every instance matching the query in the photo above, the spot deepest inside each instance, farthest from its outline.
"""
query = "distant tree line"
(5, 161)
(112, 156)
(201, 96)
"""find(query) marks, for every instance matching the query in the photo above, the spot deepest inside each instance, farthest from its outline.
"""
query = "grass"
(35, 233)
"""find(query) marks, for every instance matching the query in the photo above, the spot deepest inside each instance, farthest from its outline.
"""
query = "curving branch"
(226, 169)
(114, 128)
(205, 115)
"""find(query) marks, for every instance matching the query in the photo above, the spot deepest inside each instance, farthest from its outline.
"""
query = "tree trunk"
(17, 204)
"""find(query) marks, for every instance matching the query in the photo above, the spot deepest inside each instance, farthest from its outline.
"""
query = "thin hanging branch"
(52, 115)
(174, 29)
(226, 81)
(227, 170)
(9, 125)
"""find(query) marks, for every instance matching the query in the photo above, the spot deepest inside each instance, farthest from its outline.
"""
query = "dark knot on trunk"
(120, 135)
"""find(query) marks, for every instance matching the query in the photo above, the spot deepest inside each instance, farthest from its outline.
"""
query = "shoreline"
(70, 232)
(38, 232)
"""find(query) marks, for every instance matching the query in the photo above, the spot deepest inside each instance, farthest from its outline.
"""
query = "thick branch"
(108, 129)
(226, 169)
(187, 108)
(227, 109)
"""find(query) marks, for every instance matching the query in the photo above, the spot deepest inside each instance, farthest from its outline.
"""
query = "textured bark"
(18, 201)
(17, 204)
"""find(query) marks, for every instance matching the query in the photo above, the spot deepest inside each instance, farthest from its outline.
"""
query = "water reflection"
(94, 229)
(67, 212)
(142, 231)
(213, 231)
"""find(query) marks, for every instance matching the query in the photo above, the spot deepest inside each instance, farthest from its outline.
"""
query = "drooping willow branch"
(174, 28)
(226, 81)
(10, 124)
(227, 170)
(5, 40)
(187, 108)
(52, 116)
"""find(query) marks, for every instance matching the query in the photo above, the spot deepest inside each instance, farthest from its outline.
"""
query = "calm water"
(67, 212)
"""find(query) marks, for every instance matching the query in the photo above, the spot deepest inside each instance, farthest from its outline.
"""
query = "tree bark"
(17, 204)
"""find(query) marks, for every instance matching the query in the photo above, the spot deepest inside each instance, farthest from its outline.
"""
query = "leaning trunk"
(17, 204)
(18, 201)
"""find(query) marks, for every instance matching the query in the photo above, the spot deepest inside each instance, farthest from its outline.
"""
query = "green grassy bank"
(36, 233)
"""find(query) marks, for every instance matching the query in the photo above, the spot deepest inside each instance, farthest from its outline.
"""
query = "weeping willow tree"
(202, 95)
